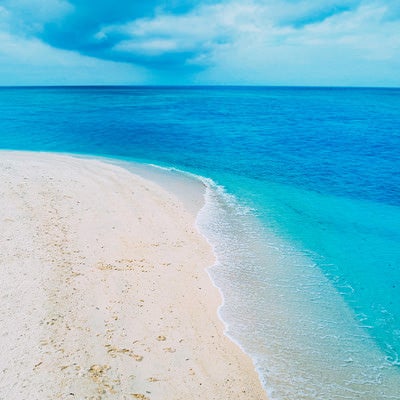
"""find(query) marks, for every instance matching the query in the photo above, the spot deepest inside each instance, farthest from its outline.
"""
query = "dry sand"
(103, 290)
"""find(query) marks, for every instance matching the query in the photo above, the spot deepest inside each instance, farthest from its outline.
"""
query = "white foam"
(281, 309)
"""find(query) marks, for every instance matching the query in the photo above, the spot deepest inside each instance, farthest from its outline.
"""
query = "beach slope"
(104, 293)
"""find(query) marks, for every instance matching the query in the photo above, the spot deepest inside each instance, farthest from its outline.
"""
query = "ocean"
(302, 209)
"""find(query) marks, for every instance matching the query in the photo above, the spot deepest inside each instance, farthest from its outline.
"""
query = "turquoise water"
(303, 210)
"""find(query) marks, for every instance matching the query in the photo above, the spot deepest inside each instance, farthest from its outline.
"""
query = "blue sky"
(262, 42)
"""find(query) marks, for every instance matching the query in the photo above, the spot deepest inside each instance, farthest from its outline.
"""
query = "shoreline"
(123, 306)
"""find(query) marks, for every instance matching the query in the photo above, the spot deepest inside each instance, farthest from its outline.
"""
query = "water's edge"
(277, 306)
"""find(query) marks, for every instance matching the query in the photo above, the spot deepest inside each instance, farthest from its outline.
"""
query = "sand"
(104, 293)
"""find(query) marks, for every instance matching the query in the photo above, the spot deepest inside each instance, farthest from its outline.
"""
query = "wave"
(306, 343)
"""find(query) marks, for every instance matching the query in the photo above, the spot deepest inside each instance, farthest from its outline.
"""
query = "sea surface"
(302, 208)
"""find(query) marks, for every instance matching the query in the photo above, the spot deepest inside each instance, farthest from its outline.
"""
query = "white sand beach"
(104, 293)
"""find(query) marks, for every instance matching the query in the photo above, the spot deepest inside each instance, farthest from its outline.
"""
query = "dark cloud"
(319, 16)
(78, 30)
(300, 13)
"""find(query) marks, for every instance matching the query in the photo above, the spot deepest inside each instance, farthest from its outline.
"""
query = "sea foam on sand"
(104, 293)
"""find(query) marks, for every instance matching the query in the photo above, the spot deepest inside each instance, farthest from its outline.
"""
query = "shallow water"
(290, 315)
(303, 211)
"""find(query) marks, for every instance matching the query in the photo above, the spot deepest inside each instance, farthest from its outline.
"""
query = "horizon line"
(189, 86)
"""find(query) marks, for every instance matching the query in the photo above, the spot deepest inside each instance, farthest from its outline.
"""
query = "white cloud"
(201, 31)
(357, 47)
(363, 30)
(26, 61)
(39, 10)
(32, 52)
(26, 17)
(210, 29)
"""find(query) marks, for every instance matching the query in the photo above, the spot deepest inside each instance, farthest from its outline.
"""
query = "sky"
(199, 42)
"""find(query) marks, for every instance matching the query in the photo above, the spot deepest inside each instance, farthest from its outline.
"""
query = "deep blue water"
(318, 168)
